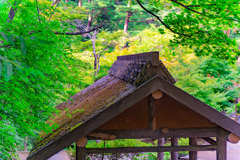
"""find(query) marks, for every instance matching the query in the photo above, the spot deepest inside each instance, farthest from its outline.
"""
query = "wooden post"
(151, 113)
(160, 155)
(81, 149)
(174, 142)
(80, 153)
(221, 145)
(193, 154)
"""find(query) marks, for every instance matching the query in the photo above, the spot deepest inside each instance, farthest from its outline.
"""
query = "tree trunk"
(89, 24)
(25, 144)
(228, 32)
(235, 104)
(96, 56)
(12, 12)
(238, 60)
(90, 18)
(129, 14)
(80, 3)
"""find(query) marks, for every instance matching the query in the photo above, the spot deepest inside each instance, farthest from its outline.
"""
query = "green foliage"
(151, 156)
(167, 155)
(200, 25)
(111, 144)
(37, 72)
(39, 69)
(210, 80)
(128, 143)
(118, 143)
(113, 14)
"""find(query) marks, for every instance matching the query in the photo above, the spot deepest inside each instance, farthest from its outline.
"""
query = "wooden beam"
(233, 138)
(173, 133)
(161, 142)
(102, 136)
(209, 140)
(151, 113)
(174, 142)
(151, 149)
(193, 154)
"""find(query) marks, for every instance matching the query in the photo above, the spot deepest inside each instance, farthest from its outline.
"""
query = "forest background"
(50, 50)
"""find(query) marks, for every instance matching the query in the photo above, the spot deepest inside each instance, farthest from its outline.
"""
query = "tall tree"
(33, 60)
(90, 16)
(199, 24)
(129, 14)
(80, 3)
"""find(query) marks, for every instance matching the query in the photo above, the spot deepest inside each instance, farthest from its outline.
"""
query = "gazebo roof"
(130, 80)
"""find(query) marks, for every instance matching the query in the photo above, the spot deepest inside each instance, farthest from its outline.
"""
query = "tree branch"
(55, 2)
(148, 20)
(186, 7)
(78, 33)
(6, 46)
(230, 18)
(161, 20)
(12, 12)
(193, 5)
(38, 11)
(104, 50)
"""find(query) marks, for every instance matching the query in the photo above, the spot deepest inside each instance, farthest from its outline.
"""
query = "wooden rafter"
(148, 133)
(152, 149)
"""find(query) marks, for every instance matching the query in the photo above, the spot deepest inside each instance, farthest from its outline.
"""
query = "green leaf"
(0, 67)
(8, 38)
(8, 70)
(18, 65)
(23, 45)
(161, 30)
(46, 42)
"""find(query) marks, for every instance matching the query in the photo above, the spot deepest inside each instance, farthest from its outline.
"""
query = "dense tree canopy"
(47, 51)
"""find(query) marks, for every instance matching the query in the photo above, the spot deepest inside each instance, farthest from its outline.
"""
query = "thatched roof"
(130, 80)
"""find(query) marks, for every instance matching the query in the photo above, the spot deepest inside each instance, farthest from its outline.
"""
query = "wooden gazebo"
(137, 99)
